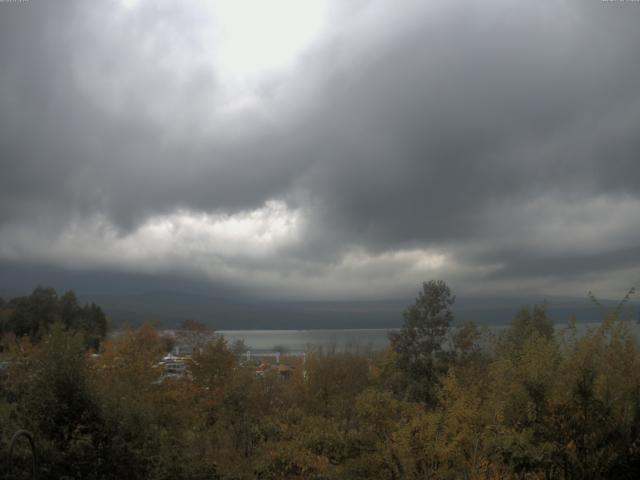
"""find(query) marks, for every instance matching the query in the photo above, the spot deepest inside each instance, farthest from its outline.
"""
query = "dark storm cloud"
(479, 114)
(503, 134)
(490, 115)
(81, 132)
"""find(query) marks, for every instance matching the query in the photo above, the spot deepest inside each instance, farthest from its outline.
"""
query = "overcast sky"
(325, 149)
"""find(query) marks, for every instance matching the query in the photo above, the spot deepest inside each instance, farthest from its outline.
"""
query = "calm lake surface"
(362, 339)
(300, 340)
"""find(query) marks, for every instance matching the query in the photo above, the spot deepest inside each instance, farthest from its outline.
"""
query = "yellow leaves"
(609, 356)
(129, 361)
(289, 460)
(461, 428)
(523, 410)
(302, 450)
(214, 366)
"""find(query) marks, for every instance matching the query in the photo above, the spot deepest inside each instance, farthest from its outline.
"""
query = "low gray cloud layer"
(494, 144)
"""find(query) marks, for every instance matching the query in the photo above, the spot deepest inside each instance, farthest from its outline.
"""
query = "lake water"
(300, 340)
(296, 341)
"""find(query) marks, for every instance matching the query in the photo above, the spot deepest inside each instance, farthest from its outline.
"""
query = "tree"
(418, 344)
(69, 309)
(194, 334)
(34, 315)
(239, 347)
(93, 322)
(333, 382)
(213, 365)
(55, 402)
(528, 322)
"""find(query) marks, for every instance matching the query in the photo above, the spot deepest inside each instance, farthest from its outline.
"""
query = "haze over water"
(372, 339)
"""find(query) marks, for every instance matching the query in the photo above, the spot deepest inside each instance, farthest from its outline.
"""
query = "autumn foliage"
(529, 402)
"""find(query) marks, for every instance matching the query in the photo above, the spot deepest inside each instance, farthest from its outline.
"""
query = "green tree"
(418, 344)
(90, 319)
(69, 309)
(34, 315)
(527, 322)
(93, 322)
(467, 346)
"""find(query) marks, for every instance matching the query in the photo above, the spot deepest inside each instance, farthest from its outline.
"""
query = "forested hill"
(169, 308)
(130, 299)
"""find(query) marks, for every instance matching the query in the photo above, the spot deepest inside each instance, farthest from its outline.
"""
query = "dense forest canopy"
(443, 401)
(34, 315)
